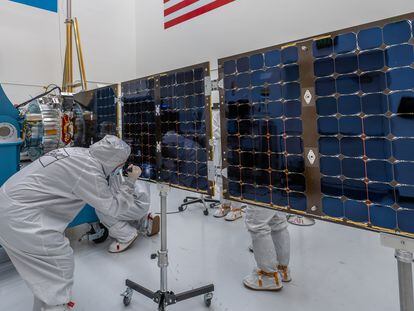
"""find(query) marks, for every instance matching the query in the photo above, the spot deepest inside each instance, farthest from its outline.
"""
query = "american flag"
(179, 11)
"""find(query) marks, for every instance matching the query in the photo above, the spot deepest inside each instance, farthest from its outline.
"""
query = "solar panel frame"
(166, 110)
(310, 116)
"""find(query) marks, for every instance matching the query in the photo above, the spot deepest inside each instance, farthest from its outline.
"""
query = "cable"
(38, 96)
(172, 213)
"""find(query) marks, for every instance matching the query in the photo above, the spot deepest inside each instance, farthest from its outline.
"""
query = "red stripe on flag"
(204, 9)
(179, 6)
(165, 1)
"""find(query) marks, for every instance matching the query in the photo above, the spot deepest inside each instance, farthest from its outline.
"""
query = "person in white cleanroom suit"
(271, 247)
(37, 204)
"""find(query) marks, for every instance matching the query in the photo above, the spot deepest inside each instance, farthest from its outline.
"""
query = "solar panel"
(263, 127)
(324, 126)
(167, 121)
(100, 116)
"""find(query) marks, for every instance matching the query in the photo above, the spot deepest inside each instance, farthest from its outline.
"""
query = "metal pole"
(163, 253)
(405, 279)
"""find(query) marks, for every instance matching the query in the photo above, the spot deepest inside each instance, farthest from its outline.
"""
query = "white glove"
(133, 173)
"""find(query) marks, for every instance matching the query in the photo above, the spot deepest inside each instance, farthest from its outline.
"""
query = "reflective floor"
(333, 268)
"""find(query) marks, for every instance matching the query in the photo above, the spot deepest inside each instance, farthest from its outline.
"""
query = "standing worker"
(38, 203)
(271, 247)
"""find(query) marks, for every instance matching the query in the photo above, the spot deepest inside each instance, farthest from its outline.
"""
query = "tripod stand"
(202, 200)
(164, 297)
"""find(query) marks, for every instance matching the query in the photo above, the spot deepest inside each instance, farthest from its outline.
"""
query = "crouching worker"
(126, 232)
(271, 247)
(38, 203)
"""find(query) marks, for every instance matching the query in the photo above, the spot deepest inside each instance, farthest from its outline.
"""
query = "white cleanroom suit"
(271, 244)
(38, 203)
(124, 231)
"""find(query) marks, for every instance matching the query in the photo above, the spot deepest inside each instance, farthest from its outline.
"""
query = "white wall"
(246, 25)
(32, 44)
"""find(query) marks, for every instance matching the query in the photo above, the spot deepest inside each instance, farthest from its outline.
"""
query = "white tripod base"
(300, 220)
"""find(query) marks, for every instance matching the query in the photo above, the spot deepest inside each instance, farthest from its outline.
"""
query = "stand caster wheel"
(181, 209)
(207, 299)
(104, 235)
(206, 212)
(127, 297)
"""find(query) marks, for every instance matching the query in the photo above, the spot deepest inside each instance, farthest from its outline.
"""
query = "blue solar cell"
(279, 197)
(330, 166)
(347, 84)
(261, 160)
(256, 62)
(329, 146)
(375, 103)
(275, 109)
(404, 172)
(242, 80)
(328, 126)
(263, 195)
(322, 48)
(346, 63)
(402, 102)
(243, 64)
(293, 127)
(379, 171)
(295, 163)
(355, 189)
(291, 91)
(405, 220)
(277, 162)
(244, 111)
(331, 186)
(229, 67)
(345, 43)
(297, 182)
(273, 58)
(297, 201)
(396, 33)
(276, 127)
(383, 216)
(371, 60)
(402, 126)
(273, 75)
(325, 86)
(378, 148)
(400, 79)
(326, 106)
(333, 207)
(259, 127)
(373, 82)
(259, 110)
(233, 172)
(233, 157)
(275, 91)
(353, 168)
(232, 127)
(376, 126)
(324, 67)
(258, 78)
(246, 159)
(350, 126)
(290, 55)
(248, 192)
(276, 143)
(290, 73)
(294, 145)
(261, 144)
(293, 108)
(403, 149)
(356, 211)
(400, 55)
(405, 196)
(279, 180)
(370, 38)
(348, 105)
(381, 193)
(352, 146)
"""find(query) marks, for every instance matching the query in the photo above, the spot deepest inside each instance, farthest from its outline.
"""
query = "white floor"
(334, 268)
